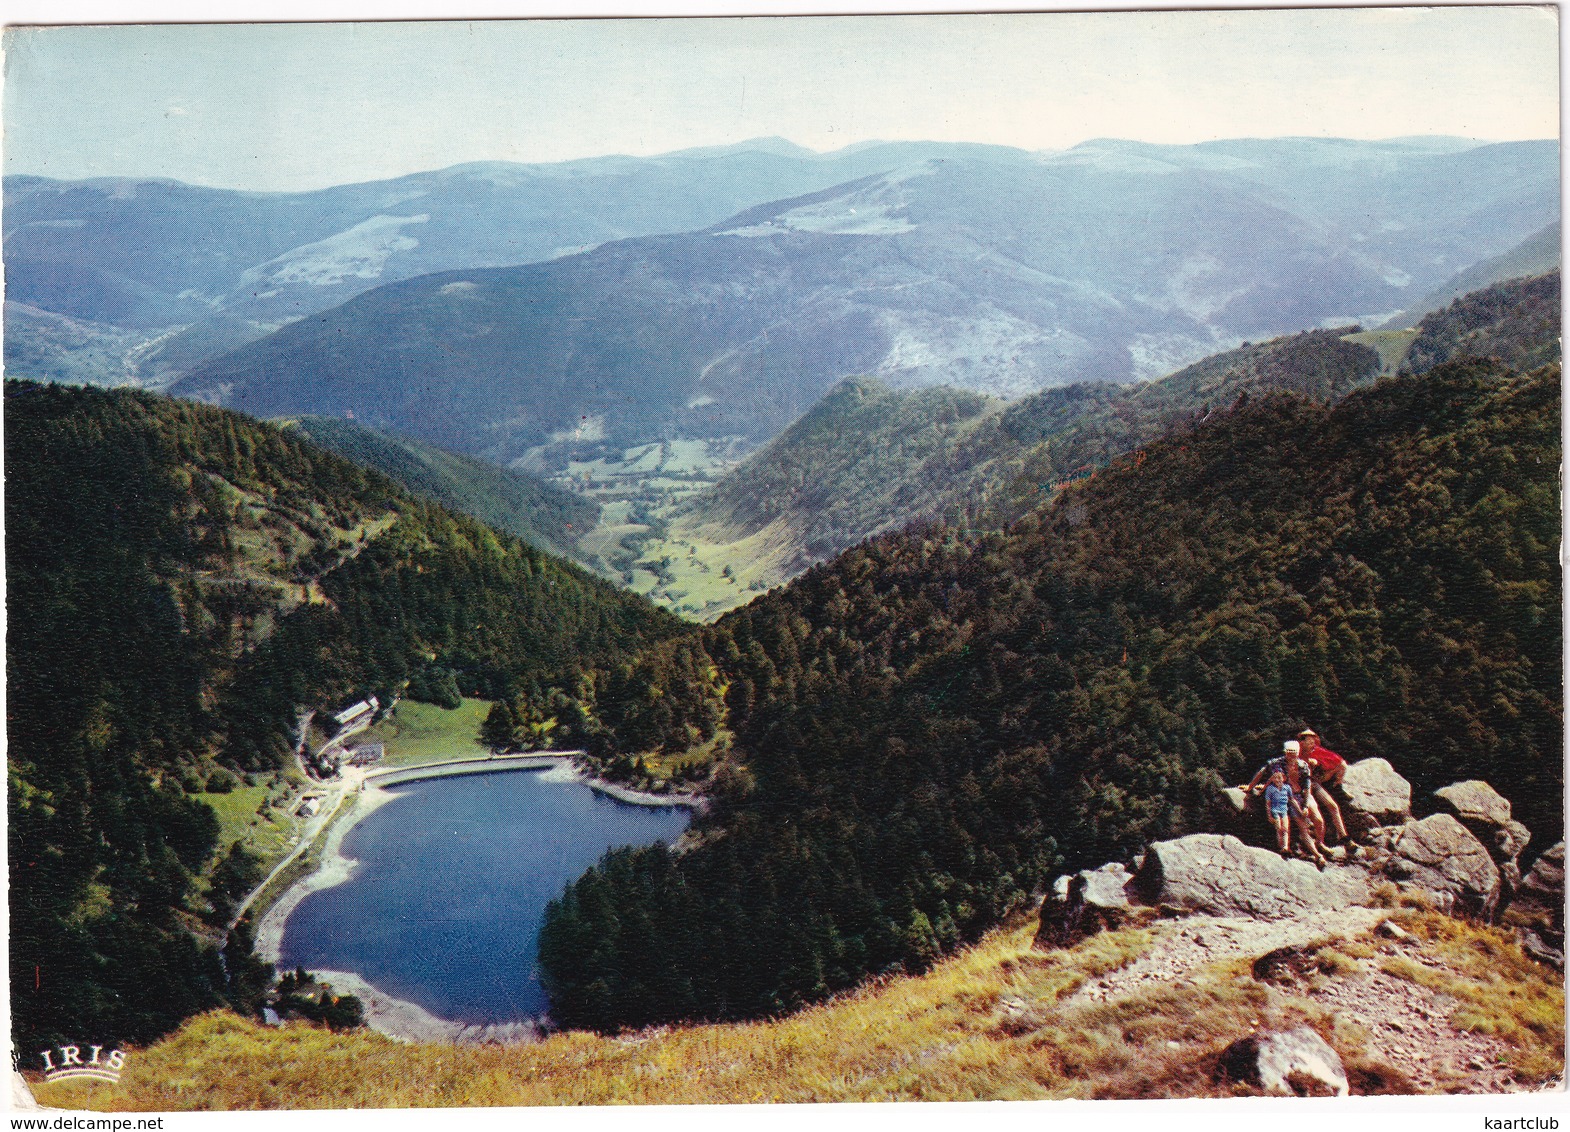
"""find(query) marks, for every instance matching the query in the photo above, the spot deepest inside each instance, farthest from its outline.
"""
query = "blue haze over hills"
(724, 290)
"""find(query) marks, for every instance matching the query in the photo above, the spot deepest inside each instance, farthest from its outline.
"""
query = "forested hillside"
(180, 580)
(513, 502)
(868, 459)
(931, 725)
(1516, 321)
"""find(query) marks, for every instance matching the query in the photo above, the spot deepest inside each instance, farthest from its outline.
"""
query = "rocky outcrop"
(1290, 1063)
(1441, 856)
(1374, 795)
(1480, 808)
(1544, 886)
(1472, 801)
(1083, 904)
(1219, 875)
(1538, 909)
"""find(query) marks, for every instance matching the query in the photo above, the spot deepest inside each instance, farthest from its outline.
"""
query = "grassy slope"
(243, 815)
(424, 733)
(992, 1023)
(1390, 345)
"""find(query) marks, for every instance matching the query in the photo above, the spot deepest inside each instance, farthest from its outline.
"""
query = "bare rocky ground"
(1322, 935)
(1199, 940)
(1408, 1027)
(1405, 1026)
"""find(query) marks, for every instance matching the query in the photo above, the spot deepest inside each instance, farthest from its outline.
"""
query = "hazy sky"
(288, 106)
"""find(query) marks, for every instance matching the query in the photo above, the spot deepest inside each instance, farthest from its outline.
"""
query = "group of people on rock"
(1297, 794)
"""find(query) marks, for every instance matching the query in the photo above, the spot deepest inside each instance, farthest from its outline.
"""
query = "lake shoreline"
(405, 1021)
(385, 1013)
(332, 870)
(697, 802)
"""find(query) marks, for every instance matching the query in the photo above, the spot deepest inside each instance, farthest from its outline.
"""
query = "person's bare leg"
(1315, 845)
(1329, 806)
(1318, 821)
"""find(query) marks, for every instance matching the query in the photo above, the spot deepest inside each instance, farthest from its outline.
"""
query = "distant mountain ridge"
(153, 255)
(869, 458)
(1538, 254)
(1000, 272)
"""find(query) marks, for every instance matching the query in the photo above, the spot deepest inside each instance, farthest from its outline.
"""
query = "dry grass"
(998, 1022)
(1498, 988)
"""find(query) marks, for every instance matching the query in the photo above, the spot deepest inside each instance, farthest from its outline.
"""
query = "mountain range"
(1139, 588)
(121, 280)
(997, 271)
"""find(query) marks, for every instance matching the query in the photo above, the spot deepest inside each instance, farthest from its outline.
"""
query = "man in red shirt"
(1329, 770)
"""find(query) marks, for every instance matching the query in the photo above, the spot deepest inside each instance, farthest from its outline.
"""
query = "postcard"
(786, 559)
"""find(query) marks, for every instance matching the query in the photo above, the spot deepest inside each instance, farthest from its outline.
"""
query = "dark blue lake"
(444, 908)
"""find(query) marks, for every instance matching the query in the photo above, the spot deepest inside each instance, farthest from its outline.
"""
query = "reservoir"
(444, 906)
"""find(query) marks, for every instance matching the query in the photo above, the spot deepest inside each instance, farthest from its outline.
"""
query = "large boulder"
(1545, 884)
(1479, 807)
(1217, 874)
(1291, 1063)
(1083, 904)
(1441, 856)
(1373, 794)
(1473, 800)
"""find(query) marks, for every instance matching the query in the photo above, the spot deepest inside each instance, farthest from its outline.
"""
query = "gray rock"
(1217, 874)
(1539, 901)
(1374, 795)
(1242, 815)
(1473, 800)
(1534, 945)
(1545, 884)
(1291, 1063)
(1392, 930)
(1509, 839)
(1509, 881)
(1439, 855)
(1479, 807)
(1083, 904)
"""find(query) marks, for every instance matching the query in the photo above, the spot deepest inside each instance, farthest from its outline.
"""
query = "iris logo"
(97, 1067)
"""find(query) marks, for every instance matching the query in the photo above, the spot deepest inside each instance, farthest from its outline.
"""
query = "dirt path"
(1199, 940)
(1408, 1027)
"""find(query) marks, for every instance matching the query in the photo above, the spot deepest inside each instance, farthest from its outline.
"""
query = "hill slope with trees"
(868, 459)
(932, 724)
(1516, 321)
(181, 580)
(514, 502)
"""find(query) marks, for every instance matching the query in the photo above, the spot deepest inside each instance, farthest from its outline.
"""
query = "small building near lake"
(357, 713)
